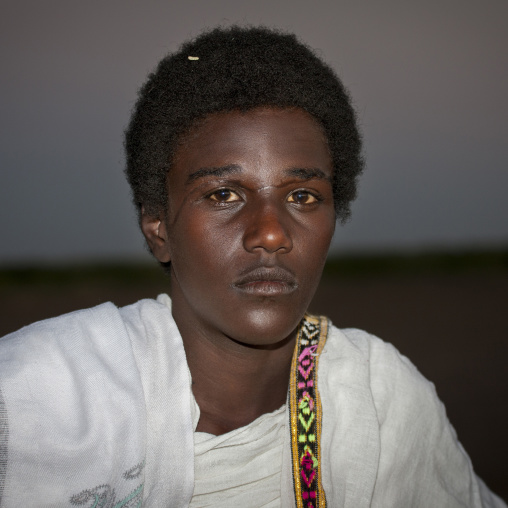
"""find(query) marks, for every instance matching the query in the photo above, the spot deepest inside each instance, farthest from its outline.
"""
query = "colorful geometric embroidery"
(305, 413)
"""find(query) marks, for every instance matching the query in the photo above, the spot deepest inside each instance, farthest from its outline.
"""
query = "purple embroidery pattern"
(305, 413)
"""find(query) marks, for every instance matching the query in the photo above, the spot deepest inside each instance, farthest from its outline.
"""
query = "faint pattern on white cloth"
(96, 391)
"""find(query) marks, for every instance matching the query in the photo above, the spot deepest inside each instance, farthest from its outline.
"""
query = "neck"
(234, 383)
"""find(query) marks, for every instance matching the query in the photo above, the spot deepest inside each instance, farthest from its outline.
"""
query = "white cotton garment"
(240, 468)
(386, 439)
(96, 409)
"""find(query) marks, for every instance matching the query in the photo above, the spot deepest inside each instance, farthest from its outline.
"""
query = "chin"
(267, 327)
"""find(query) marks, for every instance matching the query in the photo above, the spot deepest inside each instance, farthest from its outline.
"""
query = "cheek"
(325, 240)
(202, 249)
(314, 242)
(313, 257)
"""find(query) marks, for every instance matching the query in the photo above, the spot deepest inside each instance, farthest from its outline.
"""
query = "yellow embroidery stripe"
(306, 412)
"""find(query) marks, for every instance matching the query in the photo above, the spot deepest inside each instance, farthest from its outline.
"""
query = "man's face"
(250, 219)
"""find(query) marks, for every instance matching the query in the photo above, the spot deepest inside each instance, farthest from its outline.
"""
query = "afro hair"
(236, 68)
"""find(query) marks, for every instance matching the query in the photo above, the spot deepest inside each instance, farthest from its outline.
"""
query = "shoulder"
(410, 448)
(66, 332)
(71, 396)
(406, 404)
(104, 322)
(86, 341)
(391, 377)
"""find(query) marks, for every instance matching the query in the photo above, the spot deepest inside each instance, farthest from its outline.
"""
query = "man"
(242, 152)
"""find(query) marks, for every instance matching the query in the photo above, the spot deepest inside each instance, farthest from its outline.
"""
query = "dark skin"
(249, 222)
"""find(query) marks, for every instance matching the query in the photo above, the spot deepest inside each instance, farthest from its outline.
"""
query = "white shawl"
(95, 407)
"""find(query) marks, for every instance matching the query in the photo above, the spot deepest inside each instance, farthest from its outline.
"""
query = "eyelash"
(316, 197)
(225, 189)
(213, 196)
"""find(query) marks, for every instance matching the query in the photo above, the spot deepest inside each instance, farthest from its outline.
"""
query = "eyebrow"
(307, 173)
(214, 171)
(220, 171)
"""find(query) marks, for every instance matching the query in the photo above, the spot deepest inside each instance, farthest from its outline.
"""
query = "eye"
(302, 197)
(224, 196)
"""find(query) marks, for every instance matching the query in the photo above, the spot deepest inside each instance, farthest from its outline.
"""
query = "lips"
(266, 281)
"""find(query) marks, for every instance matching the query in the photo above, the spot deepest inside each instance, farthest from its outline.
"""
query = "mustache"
(266, 274)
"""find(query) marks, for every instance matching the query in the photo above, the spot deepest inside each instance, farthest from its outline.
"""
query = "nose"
(266, 230)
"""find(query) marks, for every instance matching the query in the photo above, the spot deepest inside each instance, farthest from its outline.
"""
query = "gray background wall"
(429, 80)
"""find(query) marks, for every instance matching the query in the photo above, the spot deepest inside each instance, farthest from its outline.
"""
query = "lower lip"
(266, 288)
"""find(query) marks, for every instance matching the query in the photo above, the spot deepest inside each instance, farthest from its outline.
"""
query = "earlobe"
(155, 232)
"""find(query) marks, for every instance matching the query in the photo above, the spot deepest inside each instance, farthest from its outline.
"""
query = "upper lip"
(266, 274)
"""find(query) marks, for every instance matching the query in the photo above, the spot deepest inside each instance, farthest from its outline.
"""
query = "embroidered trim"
(305, 413)
(104, 496)
(134, 472)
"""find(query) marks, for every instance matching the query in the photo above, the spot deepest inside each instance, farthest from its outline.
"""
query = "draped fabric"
(242, 467)
(96, 409)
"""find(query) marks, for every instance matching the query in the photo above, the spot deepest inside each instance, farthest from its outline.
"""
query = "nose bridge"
(267, 227)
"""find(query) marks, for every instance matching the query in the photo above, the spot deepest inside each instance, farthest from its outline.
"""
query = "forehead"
(261, 139)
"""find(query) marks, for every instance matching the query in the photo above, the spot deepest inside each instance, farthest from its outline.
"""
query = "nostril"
(268, 232)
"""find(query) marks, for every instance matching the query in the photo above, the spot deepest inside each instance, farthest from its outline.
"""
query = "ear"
(155, 232)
